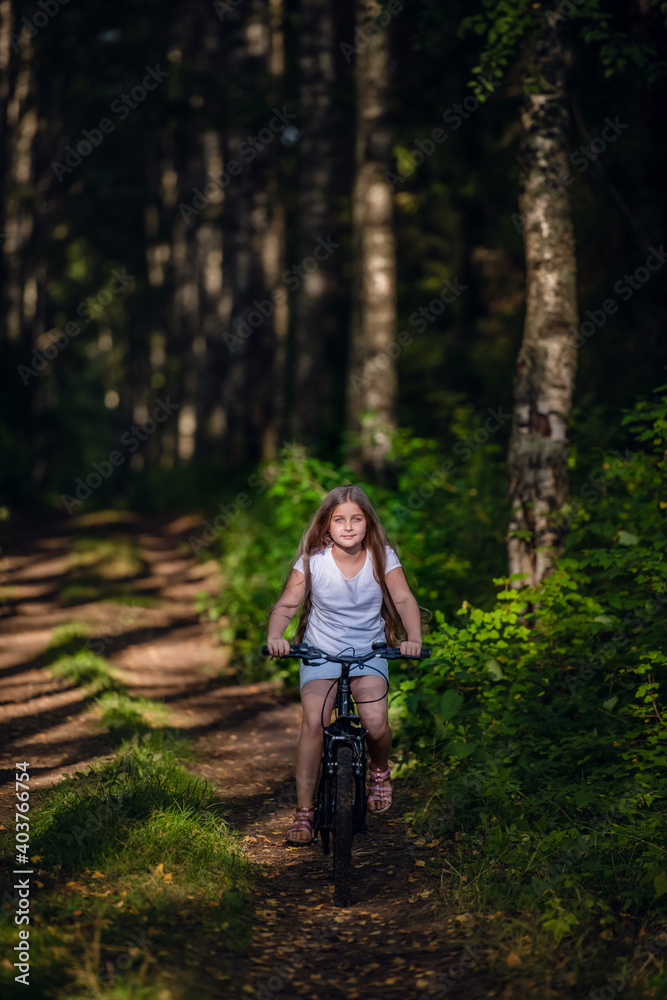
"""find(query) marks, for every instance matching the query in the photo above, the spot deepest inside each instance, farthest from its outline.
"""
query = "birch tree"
(547, 361)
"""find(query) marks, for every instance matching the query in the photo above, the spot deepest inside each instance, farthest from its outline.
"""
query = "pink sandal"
(303, 823)
(379, 789)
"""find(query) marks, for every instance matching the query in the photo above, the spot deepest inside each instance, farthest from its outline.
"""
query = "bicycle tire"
(323, 810)
(343, 826)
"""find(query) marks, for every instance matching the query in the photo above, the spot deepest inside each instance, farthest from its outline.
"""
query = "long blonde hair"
(317, 537)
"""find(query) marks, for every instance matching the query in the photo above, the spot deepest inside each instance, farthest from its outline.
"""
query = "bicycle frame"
(345, 730)
(343, 768)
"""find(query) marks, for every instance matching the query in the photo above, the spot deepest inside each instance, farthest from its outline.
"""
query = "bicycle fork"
(355, 741)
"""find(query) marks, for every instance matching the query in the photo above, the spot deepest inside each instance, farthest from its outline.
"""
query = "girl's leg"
(374, 716)
(309, 747)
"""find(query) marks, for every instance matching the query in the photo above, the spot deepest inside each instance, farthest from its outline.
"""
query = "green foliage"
(542, 718)
(504, 24)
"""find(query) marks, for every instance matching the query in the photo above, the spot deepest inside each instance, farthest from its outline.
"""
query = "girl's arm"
(284, 611)
(408, 609)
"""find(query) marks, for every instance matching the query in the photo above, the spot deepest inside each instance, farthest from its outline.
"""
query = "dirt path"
(394, 942)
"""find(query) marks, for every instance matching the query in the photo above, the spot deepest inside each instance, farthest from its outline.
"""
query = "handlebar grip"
(296, 649)
(394, 653)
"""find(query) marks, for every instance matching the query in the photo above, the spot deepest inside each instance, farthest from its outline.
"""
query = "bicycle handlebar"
(304, 650)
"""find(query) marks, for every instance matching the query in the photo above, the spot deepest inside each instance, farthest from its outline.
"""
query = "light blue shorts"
(327, 670)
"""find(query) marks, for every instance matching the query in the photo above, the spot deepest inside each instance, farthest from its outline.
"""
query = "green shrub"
(541, 718)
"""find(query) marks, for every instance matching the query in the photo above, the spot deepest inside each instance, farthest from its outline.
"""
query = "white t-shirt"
(345, 614)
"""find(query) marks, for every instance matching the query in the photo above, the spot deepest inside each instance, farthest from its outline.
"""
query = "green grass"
(132, 600)
(111, 558)
(128, 853)
(67, 656)
(87, 670)
(140, 721)
(100, 568)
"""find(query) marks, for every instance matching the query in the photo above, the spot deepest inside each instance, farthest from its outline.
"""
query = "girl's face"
(348, 526)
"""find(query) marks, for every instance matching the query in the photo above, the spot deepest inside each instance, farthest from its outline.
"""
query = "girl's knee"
(377, 724)
(311, 727)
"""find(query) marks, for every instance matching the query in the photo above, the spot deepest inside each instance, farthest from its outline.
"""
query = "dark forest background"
(252, 249)
(195, 272)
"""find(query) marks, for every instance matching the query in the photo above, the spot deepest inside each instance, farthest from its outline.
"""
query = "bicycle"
(340, 801)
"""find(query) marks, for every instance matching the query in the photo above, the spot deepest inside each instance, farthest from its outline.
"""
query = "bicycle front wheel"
(323, 809)
(343, 826)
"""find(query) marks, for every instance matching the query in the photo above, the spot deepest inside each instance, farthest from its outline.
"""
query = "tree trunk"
(372, 384)
(313, 312)
(547, 359)
(253, 235)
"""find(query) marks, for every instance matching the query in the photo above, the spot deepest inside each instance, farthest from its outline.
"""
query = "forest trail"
(394, 942)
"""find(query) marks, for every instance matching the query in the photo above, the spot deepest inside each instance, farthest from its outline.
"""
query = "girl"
(352, 591)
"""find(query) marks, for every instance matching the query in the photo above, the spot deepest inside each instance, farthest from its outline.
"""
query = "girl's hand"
(409, 648)
(278, 647)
